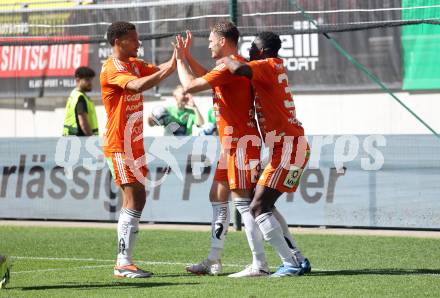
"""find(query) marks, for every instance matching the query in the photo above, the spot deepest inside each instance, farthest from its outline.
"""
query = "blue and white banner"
(358, 181)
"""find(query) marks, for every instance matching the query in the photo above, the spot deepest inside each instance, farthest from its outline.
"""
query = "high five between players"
(239, 88)
(238, 167)
(282, 133)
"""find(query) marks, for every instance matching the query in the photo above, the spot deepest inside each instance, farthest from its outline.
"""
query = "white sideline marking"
(101, 260)
(59, 269)
(61, 259)
(140, 262)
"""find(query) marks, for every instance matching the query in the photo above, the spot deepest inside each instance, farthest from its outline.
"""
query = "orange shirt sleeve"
(258, 70)
(148, 69)
(218, 76)
(119, 77)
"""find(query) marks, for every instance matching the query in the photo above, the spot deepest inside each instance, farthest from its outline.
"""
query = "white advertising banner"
(359, 181)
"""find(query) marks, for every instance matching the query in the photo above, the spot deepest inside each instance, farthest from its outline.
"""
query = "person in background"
(210, 126)
(185, 113)
(80, 115)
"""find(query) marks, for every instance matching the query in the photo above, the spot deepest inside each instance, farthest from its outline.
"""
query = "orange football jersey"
(233, 104)
(120, 104)
(273, 100)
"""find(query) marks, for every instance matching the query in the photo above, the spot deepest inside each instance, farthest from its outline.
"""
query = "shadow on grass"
(391, 271)
(122, 285)
(188, 274)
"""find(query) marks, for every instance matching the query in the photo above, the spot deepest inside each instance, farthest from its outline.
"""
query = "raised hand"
(173, 60)
(179, 48)
(187, 43)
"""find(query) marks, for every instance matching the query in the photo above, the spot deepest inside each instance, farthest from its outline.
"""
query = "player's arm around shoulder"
(236, 67)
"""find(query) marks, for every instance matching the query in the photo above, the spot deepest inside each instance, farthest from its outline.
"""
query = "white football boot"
(206, 267)
(251, 271)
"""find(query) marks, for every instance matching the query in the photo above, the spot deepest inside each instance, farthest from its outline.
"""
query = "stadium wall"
(354, 180)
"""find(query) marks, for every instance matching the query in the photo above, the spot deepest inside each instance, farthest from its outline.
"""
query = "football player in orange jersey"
(123, 79)
(239, 140)
(284, 135)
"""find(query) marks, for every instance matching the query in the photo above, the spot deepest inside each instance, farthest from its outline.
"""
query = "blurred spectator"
(210, 127)
(183, 115)
(80, 115)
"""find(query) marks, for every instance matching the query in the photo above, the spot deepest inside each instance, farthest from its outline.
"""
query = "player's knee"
(142, 194)
(135, 198)
(212, 196)
(140, 199)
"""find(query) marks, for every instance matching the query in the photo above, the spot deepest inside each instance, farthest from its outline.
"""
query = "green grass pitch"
(77, 262)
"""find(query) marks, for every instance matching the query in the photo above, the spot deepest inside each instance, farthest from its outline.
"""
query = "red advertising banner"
(43, 60)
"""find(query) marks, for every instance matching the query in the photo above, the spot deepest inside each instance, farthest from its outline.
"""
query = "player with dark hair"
(84, 72)
(123, 79)
(80, 116)
(240, 143)
(284, 135)
(117, 30)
